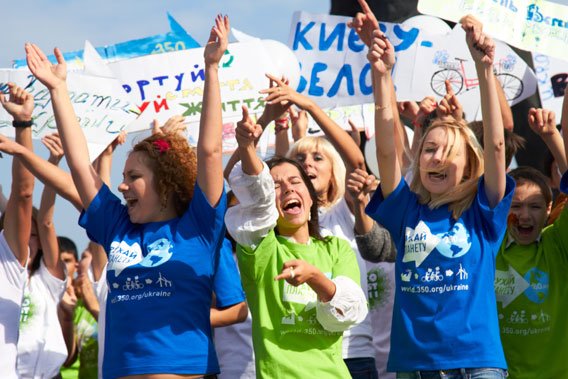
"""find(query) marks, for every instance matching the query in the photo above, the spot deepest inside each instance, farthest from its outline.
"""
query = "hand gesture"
(381, 54)
(481, 46)
(20, 105)
(55, 147)
(542, 122)
(408, 108)
(69, 300)
(84, 289)
(359, 184)
(275, 110)
(283, 93)
(218, 41)
(51, 76)
(173, 125)
(297, 272)
(450, 107)
(299, 123)
(364, 23)
(247, 131)
(469, 21)
(355, 134)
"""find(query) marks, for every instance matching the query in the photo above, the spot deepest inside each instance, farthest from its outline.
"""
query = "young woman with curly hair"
(163, 245)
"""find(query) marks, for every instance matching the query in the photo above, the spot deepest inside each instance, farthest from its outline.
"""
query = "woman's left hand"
(283, 93)
(218, 41)
(297, 272)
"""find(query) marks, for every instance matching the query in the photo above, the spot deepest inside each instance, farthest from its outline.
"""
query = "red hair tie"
(161, 145)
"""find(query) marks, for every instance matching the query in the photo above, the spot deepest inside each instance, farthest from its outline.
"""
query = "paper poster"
(552, 76)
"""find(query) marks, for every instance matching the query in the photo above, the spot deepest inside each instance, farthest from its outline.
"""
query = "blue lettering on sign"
(407, 37)
(534, 14)
(300, 36)
(507, 4)
(352, 42)
(344, 72)
(337, 33)
(365, 89)
(316, 90)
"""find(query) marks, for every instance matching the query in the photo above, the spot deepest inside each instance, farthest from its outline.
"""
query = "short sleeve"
(13, 272)
(495, 219)
(227, 281)
(104, 217)
(209, 219)
(55, 286)
(391, 211)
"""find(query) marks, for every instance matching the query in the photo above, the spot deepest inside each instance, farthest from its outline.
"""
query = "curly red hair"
(174, 168)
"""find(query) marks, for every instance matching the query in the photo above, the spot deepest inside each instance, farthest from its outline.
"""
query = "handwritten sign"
(552, 76)
(534, 25)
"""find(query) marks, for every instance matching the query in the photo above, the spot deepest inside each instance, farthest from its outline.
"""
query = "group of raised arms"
(449, 266)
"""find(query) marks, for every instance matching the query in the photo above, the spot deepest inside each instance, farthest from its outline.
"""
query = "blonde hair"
(461, 196)
(336, 189)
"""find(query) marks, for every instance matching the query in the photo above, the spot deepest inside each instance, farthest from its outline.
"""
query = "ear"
(548, 210)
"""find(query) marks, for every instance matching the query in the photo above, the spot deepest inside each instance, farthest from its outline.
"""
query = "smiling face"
(528, 213)
(440, 168)
(319, 169)
(139, 191)
(293, 199)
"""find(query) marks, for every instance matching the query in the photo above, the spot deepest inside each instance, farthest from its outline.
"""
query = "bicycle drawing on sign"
(454, 72)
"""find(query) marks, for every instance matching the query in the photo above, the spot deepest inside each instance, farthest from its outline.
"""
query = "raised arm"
(381, 57)
(46, 228)
(543, 123)
(74, 143)
(19, 207)
(482, 49)
(339, 138)
(209, 146)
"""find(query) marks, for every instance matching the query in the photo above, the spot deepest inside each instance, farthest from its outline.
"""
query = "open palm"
(218, 41)
(49, 74)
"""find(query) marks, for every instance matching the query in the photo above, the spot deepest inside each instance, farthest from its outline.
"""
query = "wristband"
(416, 124)
(22, 124)
(281, 125)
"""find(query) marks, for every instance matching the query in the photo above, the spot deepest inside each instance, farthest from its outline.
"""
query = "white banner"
(552, 76)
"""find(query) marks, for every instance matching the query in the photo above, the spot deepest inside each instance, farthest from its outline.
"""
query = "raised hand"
(53, 144)
(69, 300)
(275, 110)
(50, 75)
(449, 106)
(299, 123)
(364, 23)
(218, 41)
(469, 21)
(481, 46)
(283, 93)
(247, 131)
(355, 132)
(381, 54)
(542, 122)
(408, 108)
(20, 104)
(358, 185)
(173, 125)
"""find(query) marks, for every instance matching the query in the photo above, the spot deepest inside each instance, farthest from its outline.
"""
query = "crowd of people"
(449, 266)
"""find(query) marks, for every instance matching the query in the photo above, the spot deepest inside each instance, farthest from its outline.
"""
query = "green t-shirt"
(85, 367)
(532, 301)
(288, 340)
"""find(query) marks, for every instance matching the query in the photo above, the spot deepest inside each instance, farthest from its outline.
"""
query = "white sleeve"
(256, 214)
(349, 299)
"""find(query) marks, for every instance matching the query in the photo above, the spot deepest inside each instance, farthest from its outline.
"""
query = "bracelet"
(281, 125)
(22, 124)
(380, 108)
(416, 124)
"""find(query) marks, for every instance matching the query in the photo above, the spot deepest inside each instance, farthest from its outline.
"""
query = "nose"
(287, 187)
(122, 187)
(523, 212)
(438, 155)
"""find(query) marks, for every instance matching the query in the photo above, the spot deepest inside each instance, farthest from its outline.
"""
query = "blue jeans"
(362, 368)
(459, 373)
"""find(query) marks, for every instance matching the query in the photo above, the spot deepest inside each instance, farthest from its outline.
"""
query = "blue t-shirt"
(161, 277)
(445, 313)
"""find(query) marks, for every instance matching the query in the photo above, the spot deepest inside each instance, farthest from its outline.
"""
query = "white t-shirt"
(101, 291)
(13, 278)
(41, 347)
(338, 221)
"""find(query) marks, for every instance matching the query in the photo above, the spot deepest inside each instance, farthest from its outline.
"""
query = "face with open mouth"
(139, 191)
(292, 199)
(438, 173)
(318, 167)
(528, 213)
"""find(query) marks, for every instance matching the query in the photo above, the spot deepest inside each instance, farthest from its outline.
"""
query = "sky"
(67, 24)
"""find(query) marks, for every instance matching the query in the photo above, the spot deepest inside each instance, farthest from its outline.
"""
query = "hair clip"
(161, 145)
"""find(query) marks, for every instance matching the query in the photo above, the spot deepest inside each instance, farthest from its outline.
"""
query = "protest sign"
(534, 25)
(176, 39)
(552, 76)
(102, 107)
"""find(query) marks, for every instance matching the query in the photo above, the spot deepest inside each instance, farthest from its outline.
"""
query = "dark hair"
(528, 174)
(174, 165)
(68, 246)
(313, 223)
(513, 141)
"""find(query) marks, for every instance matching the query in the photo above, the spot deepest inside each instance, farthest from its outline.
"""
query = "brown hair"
(174, 164)
(461, 196)
(526, 174)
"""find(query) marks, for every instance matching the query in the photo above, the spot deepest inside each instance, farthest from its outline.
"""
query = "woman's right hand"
(247, 131)
(50, 75)
(20, 105)
(381, 54)
(282, 93)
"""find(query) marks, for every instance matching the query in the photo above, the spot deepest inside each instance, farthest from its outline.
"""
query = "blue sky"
(67, 24)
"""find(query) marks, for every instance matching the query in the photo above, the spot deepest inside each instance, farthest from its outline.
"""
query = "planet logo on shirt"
(159, 252)
(538, 285)
(454, 243)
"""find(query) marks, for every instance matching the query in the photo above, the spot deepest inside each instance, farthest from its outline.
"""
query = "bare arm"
(358, 185)
(506, 113)
(53, 77)
(19, 206)
(232, 314)
(543, 123)
(209, 146)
